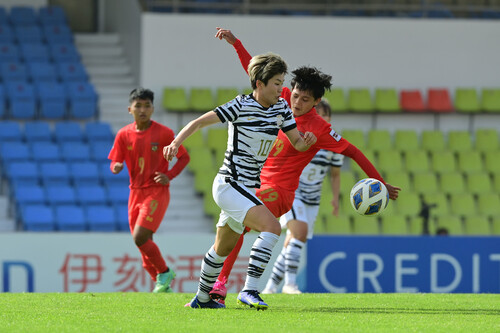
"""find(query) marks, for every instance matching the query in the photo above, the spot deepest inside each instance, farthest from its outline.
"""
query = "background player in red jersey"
(281, 172)
(140, 145)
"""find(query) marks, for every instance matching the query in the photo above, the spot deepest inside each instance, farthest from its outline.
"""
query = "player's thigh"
(153, 206)
(261, 219)
(276, 200)
(312, 216)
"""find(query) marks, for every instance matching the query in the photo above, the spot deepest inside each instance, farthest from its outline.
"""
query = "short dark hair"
(141, 93)
(326, 106)
(311, 79)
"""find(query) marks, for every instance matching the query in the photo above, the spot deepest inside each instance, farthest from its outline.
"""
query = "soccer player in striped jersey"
(253, 123)
(140, 145)
(281, 172)
(301, 218)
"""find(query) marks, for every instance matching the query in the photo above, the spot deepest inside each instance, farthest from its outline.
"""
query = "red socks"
(153, 255)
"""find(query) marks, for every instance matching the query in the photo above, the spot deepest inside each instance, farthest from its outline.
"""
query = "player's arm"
(182, 160)
(298, 142)
(335, 184)
(204, 120)
(243, 54)
(116, 155)
(116, 167)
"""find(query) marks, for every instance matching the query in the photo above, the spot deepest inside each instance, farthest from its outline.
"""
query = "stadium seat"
(53, 100)
(63, 52)
(408, 204)
(337, 100)
(340, 225)
(51, 15)
(363, 225)
(45, 151)
(14, 71)
(417, 161)
(70, 218)
(425, 182)
(99, 150)
(6, 33)
(54, 174)
(495, 226)
(400, 179)
(470, 162)
(108, 178)
(203, 180)
(477, 226)
(72, 71)
(356, 137)
(101, 218)
(433, 141)
(370, 155)
(459, 140)
(98, 131)
(488, 204)
(22, 100)
(10, 131)
(34, 53)
(75, 151)
(14, 152)
(478, 182)
(201, 160)
(217, 138)
(225, 94)
(61, 195)
(386, 100)
(490, 100)
(452, 223)
(9, 52)
(23, 16)
(22, 173)
(118, 193)
(37, 131)
(492, 161)
(466, 100)
(347, 181)
(68, 131)
(452, 183)
(84, 173)
(486, 140)
(91, 194)
(360, 100)
(42, 72)
(201, 99)
(415, 225)
(196, 140)
(463, 204)
(122, 217)
(441, 208)
(394, 224)
(28, 34)
(82, 99)
(439, 100)
(29, 195)
(389, 161)
(379, 140)
(3, 103)
(175, 99)
(58, 33)
(38, 218)
(412, 101)
(443, 161)
(406, 140)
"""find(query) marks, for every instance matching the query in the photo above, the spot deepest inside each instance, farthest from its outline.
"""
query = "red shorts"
(277, 200)
(147, 206)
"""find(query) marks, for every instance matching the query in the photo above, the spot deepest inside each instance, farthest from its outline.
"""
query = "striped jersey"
(252, 130)
(311, 179)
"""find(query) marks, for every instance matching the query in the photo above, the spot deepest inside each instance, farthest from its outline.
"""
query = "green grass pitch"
(147, 312)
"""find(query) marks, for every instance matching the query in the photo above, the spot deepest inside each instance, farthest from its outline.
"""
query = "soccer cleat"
(291, 289)
(219, 290)
(269, 291)
(252, 299)
(211, 304)
(163, 281)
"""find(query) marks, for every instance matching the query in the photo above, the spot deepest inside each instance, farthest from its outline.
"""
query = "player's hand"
(309, 138)
(161, 178)
(335, 205)
(393, 191)
(225, 34)
(117, 167)
(170, 151)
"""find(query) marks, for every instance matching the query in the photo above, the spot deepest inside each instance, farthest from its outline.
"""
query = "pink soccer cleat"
(219, 291)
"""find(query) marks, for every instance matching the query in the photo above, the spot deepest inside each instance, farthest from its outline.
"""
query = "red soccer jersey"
(142, 151)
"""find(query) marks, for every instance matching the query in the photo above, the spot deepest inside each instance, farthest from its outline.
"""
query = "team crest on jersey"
(154, 146)
(335, 135)
(279, 120)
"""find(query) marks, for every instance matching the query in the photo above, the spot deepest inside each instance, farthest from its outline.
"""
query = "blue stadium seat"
(61, 195)
(75, 151)
(70, 218)
(10, 131)
(22, 15)
(63, 52)
(13, 72)
(83, 100)
(118, 193)
(91, 195)
(3, 15)
(99, 151)
(98, 131)
(72, 71)
(53, 100)
(22, 173)
(37, 131)
(28, 195)
(2, 101)
(108, 178)
(28, 34)
(9, 52)
(38, 218)
(57, 33)
(101, 218)
(68, 131)
(6, 33)
(84, 173)
(45, 152)
(52, 15)
(34, 52)
(14, 152)
(54, 174)
(42, 72)
(121, 211)
(22, 100)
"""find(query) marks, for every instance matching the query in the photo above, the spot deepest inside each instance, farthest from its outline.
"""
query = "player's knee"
(273, 226)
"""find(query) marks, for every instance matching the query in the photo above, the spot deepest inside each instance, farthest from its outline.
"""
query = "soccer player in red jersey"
(140, 145)
(281, 172)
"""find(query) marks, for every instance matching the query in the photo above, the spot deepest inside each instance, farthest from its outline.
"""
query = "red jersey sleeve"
(182, 160)
(117, 153)
(243, 54)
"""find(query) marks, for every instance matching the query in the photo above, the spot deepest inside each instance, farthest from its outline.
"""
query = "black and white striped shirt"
(311, 179)
(252, 130)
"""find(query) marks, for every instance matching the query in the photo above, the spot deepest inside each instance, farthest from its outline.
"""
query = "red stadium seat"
(412, 101)
(438, 100)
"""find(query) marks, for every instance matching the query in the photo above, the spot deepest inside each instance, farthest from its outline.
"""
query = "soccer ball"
(369, 197)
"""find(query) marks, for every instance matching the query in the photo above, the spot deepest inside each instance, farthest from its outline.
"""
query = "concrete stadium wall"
(33, 3)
